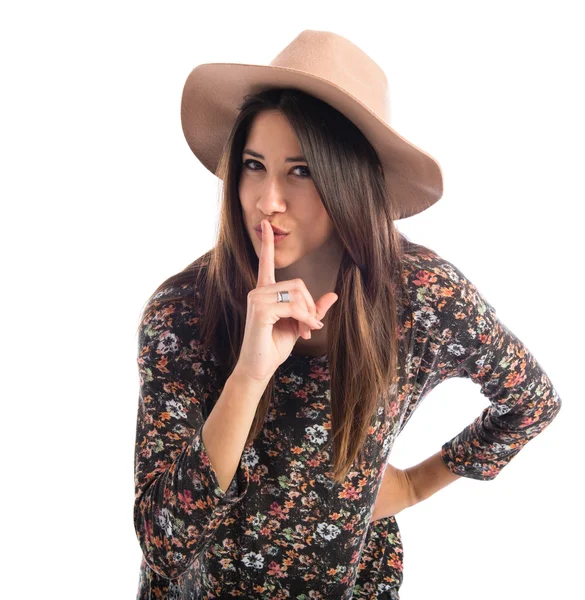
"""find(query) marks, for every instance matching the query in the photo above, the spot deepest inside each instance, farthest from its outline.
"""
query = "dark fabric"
(284, 528)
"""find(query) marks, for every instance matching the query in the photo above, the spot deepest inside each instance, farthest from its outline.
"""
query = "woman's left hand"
(396, 493)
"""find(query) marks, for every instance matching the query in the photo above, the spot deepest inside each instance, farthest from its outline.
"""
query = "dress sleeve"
(476, 344)
(179, 503)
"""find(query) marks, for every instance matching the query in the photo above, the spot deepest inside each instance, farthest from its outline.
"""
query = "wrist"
(411, 494)
(429, 476)
(244, 380)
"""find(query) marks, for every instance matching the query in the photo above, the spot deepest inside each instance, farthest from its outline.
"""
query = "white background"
(102, 200)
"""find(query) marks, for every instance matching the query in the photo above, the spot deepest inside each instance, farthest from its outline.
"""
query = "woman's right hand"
(273, 328)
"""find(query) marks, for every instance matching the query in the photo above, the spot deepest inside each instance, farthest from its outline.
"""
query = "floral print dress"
(284, 528)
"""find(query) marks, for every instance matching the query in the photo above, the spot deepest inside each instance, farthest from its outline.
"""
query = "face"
(276, 184)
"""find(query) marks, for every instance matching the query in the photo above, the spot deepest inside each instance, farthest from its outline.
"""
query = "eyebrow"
(289, 159)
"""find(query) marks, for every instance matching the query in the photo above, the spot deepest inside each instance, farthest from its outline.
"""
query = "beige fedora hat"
(333, 69)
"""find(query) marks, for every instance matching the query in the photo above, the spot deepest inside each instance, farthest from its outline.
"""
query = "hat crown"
(333, 69)
(336, 59)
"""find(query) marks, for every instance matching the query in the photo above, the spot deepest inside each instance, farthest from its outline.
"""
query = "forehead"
(271, 132)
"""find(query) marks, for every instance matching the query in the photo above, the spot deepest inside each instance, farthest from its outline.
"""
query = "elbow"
(556, 404)
(167, 552)
(550, 407)
(542, 415)
(167, 565)
(165, 558)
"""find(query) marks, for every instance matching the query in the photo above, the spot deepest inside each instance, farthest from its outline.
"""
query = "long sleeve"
(477, 345)
(178, 501)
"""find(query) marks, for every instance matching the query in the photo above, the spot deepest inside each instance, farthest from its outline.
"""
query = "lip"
(275, 229)
(277, 236)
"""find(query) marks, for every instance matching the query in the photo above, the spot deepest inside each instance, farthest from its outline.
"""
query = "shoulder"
(170, 345)
(185, 287)
(175, 306)
(441, 294)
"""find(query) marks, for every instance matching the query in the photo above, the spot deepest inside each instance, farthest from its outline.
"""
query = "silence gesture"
(273, 327)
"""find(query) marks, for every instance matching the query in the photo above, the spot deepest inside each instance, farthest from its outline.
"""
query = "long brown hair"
(362, 340)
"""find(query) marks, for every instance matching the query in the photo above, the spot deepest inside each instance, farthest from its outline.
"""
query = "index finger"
(266, 261)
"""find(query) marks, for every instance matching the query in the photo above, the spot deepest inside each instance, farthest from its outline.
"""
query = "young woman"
(277, 370)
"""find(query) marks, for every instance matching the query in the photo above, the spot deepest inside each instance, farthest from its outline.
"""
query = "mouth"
(276, 236)
(275, 230)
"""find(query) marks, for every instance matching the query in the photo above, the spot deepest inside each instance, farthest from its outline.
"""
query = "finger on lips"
(266, 274)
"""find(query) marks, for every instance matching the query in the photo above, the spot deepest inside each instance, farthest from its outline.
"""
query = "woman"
(277, 369)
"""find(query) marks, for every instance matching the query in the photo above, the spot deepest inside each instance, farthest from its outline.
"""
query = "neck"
(318, 270)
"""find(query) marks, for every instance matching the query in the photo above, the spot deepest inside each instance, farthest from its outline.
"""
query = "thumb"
(325, 303)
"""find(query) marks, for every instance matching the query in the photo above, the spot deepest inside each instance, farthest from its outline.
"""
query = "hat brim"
(213, 92)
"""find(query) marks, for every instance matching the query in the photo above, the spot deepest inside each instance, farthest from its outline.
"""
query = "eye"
(247, 164)
(307, 174)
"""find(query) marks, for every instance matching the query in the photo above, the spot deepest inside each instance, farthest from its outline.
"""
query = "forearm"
(430, 476)
(228, 424)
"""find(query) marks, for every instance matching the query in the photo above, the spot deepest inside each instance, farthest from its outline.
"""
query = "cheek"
(322, 221)
(317, 226)
(244, 197)
(242, 192)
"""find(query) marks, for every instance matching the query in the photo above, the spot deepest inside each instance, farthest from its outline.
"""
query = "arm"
(429, 476)
(523, 401)
(226, 429)
(455, 332)
(403, 488)
(179, 496)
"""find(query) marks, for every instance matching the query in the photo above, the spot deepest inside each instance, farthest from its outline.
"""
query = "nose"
(272, 198)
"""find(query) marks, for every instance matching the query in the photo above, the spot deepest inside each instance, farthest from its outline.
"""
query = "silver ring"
(282, 297)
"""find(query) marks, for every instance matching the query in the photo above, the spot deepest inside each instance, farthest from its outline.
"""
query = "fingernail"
(321, 324)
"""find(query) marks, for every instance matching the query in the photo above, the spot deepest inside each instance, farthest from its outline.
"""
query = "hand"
(273, 328)
(396, 493)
